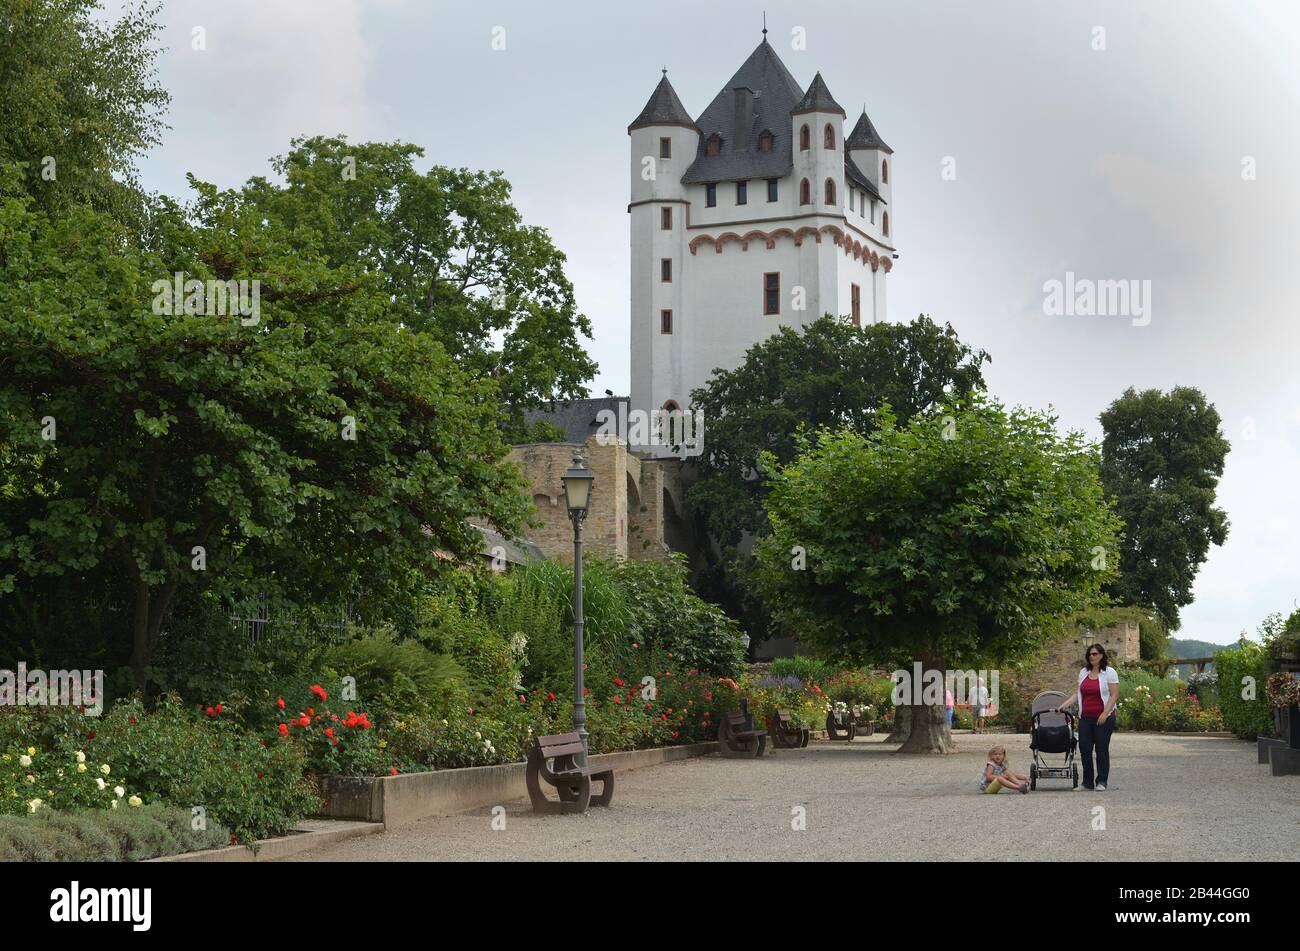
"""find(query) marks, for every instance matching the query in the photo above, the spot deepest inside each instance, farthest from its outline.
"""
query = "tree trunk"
(930, 733)
(902, 725)
(140, 647)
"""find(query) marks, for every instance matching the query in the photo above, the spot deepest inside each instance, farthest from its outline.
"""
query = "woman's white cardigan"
(1108, 676)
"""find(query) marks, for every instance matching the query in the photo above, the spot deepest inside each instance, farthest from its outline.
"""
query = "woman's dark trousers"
(1094, 735)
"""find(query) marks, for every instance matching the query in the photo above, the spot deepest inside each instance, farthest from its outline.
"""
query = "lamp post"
(577, 497)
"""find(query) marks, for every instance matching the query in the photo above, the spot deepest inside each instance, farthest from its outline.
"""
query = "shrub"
(1247, 717)
(803, 667)
(173, 754)
(376, 659)
(105, 835)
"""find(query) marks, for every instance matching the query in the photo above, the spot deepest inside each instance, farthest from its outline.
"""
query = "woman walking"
(1097, 696)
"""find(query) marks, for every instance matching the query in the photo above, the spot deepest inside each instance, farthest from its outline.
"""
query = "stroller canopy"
(1043, 708)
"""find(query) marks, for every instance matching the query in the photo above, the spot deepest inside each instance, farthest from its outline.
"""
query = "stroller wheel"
(1033, 776)
(1076, 775)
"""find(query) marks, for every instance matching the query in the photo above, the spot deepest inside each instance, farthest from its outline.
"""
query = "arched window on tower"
(805, 193)
(828, 136)
(830, 191)
(805, 138)
(884, 223)
(765, 140)
(714, 145)
(668, 421)
(884, 171)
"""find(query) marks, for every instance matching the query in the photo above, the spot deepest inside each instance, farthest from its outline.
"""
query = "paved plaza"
(1173, 797)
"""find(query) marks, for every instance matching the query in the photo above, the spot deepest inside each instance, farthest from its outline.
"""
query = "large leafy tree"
(828, 374)
(1161, 458)
(452, 252)
(147, 452)
(80, 101)
(956, 540)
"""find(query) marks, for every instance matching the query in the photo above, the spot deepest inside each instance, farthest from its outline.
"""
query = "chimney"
(744, 115)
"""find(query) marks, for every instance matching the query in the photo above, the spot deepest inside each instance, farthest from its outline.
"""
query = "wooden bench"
(785, 734)
(737, 736)
(852, 727)
(551, 759)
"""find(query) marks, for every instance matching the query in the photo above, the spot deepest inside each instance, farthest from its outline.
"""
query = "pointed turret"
(664, 108)
(818, 99)
(865, 136)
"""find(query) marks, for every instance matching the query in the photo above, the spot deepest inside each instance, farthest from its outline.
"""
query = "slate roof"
(515, 551)
(818, 99)
(855, 174)
(865, 136)
(776, 93)
(577, 417)
(663, 108)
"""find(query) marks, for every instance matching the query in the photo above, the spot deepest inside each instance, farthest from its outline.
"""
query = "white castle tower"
(757, 215)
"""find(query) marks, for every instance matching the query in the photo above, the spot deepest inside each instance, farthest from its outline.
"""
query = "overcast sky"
(1117, 163)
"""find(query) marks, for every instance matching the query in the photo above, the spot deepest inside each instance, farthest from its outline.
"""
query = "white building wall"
(717, 296)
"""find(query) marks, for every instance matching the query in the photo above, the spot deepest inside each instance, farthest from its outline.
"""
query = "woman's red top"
(1091, 692)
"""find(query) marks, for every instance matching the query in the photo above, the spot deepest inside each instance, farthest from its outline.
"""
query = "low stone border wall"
(310, 834)
(409, 797)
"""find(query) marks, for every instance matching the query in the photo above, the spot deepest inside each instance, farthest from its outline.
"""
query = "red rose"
(551, 695)
(304, 721)
(330, 733)
(319, 691)
(279, 702)
(90, 734)
(284, 729)
(675, 734)
(618, 681)
(311, 712)
(134, 720)
(210, 712)
(393, 771)
(219, 710)
(586, 690)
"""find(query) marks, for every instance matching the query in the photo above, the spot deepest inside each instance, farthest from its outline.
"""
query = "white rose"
(135, 801)
(99, 781)
(24, 760)
(31, 778)
(113, 804)
(478, 735)
(81, 767)
(105, 769)
(33, 805)
(119, 791)
(81, 757)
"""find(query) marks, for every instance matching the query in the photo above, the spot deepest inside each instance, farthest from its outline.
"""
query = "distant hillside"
(1180, 648)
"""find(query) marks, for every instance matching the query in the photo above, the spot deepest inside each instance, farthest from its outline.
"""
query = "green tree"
(450, 249)
(958, 539)
(151, 447)
(1161, 459)
(829, 374)
(81, 102)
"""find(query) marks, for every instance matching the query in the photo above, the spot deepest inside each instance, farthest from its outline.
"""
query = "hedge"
(105, 835)
(1247, 717)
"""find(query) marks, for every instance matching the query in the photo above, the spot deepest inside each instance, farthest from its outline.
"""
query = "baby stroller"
(1053, 733)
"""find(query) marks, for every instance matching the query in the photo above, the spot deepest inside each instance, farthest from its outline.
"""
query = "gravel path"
(1188, 798)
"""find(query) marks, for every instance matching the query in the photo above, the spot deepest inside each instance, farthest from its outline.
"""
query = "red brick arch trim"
(841, 238)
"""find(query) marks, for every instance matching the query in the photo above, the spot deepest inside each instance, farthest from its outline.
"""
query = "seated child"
(998, 776)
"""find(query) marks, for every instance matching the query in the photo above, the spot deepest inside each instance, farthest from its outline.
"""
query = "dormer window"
(765, 141)
(805, 138)
(828, 137)
(714, 145)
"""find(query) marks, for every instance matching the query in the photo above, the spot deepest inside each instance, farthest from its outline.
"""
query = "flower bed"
(1176, 712)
